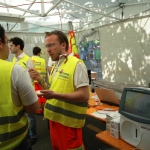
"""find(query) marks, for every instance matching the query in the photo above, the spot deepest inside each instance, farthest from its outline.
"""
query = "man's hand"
(81, 95)
(48, 94)
(34, 75)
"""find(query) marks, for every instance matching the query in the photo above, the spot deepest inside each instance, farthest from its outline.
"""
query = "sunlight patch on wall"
(129, 62)
(126, 57)
(112, 78)
(145, 24)
(109, 67)
(147, 58)
(119, 29)
(142, 82)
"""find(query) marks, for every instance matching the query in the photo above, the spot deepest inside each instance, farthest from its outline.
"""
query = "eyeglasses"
(50, 45)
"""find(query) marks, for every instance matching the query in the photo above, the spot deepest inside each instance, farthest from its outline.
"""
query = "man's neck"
(62, 55)
(19, 53)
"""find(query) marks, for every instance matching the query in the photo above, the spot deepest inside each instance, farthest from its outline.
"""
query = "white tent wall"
(125, 52)
(30, 40)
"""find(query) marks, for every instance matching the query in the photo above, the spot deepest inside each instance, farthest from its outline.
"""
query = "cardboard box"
(108, 122)
(115, 124)
(108, 119)
(114, 133)
(113, 115)
(107, 126)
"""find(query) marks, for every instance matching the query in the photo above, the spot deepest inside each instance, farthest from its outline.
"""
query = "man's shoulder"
(73, 58)
(37, 57)
(6, 63)
(18, 68)
(42, 58)
(25, 55)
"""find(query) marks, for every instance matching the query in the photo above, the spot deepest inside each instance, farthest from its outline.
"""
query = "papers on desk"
(102, 113)
(98, 115)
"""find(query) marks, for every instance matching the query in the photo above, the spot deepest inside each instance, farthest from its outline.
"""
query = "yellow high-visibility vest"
(70, 114)
(39, 65)
(21, 61)
(13, 121)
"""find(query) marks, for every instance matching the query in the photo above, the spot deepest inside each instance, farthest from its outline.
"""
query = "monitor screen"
(135, 104)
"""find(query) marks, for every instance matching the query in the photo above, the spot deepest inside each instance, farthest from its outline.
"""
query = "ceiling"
(39, 16)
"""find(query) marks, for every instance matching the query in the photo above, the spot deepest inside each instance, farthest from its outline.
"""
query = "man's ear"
(63, 45)
(18, 46)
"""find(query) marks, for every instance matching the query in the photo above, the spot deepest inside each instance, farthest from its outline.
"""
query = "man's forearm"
(82, 95)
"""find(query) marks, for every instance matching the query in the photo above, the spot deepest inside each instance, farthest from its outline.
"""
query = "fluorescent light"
(11, 18)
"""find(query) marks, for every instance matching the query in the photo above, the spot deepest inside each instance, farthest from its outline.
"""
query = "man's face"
(54, 47)
(13, 48)
(4, 48)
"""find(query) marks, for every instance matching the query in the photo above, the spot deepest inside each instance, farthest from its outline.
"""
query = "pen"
(104, 111)
(108, 110)
(25, 65)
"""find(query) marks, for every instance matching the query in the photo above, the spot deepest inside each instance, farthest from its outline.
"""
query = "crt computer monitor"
(135, 104)
(135, 117)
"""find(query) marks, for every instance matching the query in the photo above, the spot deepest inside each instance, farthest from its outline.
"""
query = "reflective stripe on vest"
(11, 119)
(9, 135)
(67, 113)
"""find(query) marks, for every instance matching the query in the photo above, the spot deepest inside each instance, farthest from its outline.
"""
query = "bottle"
(96, 99)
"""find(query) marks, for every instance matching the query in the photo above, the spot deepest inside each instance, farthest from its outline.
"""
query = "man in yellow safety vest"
(40, 66)
(17, 98)
(67, 96)
(16, 47)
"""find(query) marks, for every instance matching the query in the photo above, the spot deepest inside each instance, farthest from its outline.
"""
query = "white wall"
(125, 51)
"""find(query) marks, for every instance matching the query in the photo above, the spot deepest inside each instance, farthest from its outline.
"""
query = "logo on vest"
(63, 75)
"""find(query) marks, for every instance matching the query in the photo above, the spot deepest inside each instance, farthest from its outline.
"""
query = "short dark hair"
(17, 41)
(2, 34)
(36, 50)
(61, 37)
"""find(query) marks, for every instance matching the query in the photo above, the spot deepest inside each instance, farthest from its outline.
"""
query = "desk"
(93, 108)
(94, 125)
(116, 143)
(104, 136)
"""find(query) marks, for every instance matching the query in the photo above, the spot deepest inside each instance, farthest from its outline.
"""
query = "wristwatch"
(41, 82)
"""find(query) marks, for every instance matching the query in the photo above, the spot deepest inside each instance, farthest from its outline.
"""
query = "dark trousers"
(24, 145)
